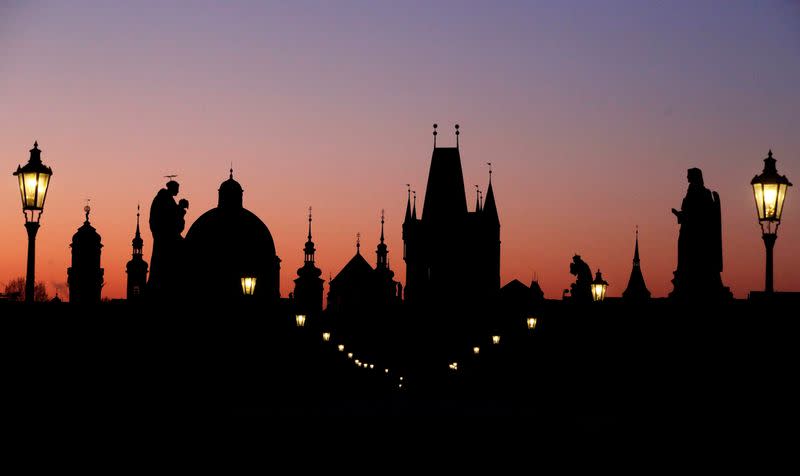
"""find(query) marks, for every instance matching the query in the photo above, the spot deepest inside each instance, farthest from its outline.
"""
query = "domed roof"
(230, 193)
(227, 243)
(86, 234)
(234, 231)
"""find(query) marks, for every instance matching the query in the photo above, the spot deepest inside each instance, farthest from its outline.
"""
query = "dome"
(230, 193)
(227, 243)
(86, 234)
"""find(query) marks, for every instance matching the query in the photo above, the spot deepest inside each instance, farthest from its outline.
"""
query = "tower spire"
(457, 134)
(636, 248)
(477, 198)
(382, 217)
(382, 252)
(434, 134)
(414, 213)
(358, 243)
(408, 205)
(309, 223)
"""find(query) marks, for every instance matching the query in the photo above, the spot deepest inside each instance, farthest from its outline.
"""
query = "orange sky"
(590, 121)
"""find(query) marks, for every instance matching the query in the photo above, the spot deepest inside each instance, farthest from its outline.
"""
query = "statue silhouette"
(581, 289)
(166, 224)
(697, 276)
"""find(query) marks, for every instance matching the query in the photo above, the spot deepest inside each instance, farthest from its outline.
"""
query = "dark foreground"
(599, 368)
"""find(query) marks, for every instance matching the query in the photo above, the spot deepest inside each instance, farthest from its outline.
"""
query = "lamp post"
(34, 178)
(599, 287)
(769, 190)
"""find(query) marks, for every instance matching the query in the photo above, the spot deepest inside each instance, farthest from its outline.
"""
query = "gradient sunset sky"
(590, 112)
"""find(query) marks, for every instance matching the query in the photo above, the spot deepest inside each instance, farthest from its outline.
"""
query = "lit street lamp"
(769, 189)
(34, 178)
(599, 287)
(300, 320)
(532, 321)
(248, 285)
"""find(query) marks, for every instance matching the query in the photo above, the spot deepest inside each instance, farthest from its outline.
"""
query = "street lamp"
(326, 336)
(476, 350)
(495, 339)
(532, 321)
(34, 178)
(300, 319)
(769, 189)
(248, 285)
(599, 287)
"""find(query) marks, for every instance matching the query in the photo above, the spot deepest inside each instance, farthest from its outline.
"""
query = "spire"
(636, 291)
(137, 220)
(382, 218)
(309, 248)
(477, 199)
(309, 223)
(489, 206)
(358, 243)
(230, 177)
(137, 242)
(457, 134)
(434, 134)
(408, 205)
(382, 251)
(87, 209)
(414, 213)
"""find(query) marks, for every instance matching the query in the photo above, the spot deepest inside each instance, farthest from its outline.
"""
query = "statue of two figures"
(166, 224)
(697, 277)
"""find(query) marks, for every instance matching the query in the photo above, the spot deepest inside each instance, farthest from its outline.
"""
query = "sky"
(590, 112)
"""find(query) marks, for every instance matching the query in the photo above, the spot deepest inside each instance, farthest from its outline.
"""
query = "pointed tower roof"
(489, 205)
(382, 252)
(637, 289)
(414, 213)
(408, 206)
(444, 195)
(137, 242)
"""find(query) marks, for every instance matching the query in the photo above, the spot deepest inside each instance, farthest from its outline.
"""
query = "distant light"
(454, 366)
(532, 321)
(476, 350)
(349, 355)
(495, 340)
(401, 379)
(372, 366)
(341, 347)
(386, 371)
(399, 385)
(326, 336)
(300, 319)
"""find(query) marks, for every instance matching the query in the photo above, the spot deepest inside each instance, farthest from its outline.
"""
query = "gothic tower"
(137, 266)
(85, 276)
(308, 285)
(452, 255)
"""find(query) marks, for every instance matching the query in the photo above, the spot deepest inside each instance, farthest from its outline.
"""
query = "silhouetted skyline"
(590, 113)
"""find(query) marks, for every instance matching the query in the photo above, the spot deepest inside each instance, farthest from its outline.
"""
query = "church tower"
(308, 285)
(137, 266)
(636, 291)
(85, 276)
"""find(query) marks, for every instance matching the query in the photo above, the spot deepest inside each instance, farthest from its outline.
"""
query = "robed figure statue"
(166, 224)
(697, 277)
